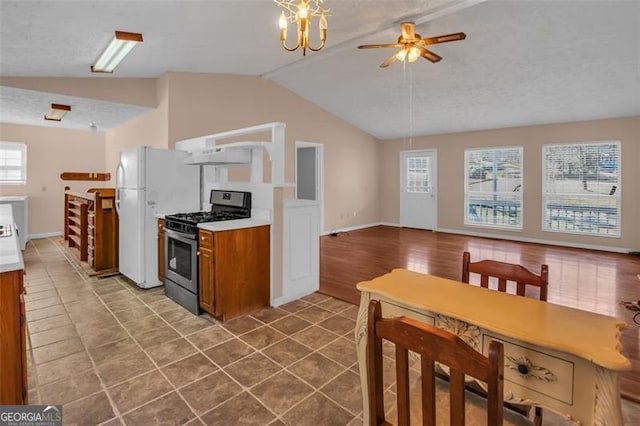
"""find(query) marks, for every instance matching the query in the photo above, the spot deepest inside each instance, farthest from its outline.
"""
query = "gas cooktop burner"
(200, 217)
(225, 205)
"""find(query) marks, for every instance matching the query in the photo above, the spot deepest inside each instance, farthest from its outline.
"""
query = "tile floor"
(112, 354)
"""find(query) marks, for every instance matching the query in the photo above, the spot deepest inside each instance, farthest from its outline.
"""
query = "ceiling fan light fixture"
(413, 54)
(412, 45)
(401, 55)
(116, 51)
(57, 112)
(302, 13)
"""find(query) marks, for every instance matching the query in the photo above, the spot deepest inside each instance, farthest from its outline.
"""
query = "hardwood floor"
(590, 280)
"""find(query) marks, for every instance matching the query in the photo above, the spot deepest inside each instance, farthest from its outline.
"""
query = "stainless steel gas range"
(181, 243)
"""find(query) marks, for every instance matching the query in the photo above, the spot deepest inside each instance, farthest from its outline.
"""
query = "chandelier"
(302, 12)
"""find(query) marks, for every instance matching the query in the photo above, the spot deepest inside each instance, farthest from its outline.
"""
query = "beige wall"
(450, 151)
(149, 129)
(202, 104)
(50, 152)
(134, 91)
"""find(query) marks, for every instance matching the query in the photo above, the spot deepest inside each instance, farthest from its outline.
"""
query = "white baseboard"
(501, 237)
(351, 228)
(44, 235)
(397, 225)
(536, 240)
(290, 298)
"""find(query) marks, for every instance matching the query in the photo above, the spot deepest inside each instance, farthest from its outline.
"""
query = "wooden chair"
(506, 272)
(433, 345)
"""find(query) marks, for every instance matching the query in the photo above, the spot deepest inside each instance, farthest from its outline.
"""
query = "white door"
(418, 186)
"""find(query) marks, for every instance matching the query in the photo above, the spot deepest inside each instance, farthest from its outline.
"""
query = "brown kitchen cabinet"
(234, 267)
(161, 260)
(13, 340)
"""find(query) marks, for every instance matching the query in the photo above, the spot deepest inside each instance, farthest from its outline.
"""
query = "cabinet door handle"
(202, 238)
(198, 253)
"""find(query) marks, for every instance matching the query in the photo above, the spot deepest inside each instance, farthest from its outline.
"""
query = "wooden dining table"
(556, 357)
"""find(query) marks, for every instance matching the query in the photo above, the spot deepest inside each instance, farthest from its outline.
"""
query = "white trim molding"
(536, 240)
(352, 228)
(44, 235)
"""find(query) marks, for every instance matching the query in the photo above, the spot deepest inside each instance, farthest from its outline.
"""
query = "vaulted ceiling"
(523, 62)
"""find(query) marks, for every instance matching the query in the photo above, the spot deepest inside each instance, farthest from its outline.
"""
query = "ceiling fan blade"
(377, 46)
(429, 55)
(408, 30)
(443, 38)
(391, 59)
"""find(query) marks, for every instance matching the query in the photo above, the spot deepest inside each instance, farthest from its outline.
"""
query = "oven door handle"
(179, 235)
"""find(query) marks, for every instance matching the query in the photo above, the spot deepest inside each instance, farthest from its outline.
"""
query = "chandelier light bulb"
(323, 22)
(303, 11)
(283, 21)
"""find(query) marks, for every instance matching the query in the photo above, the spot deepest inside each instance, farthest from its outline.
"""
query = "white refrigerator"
(150, 181)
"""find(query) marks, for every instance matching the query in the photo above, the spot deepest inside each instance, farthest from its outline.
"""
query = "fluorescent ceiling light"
(119, 47)
(56, 112)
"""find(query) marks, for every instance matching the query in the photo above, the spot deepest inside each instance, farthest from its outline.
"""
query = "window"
(418, 174)
(581, 188)
(13, 163)
(493, 187)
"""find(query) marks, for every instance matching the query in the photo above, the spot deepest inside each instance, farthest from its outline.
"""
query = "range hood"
(231, 154)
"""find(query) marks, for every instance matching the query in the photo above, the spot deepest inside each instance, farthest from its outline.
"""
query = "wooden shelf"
(75, 219)
(91, 226)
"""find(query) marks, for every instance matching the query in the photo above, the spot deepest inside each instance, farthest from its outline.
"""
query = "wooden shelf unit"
(91, 227)
(75, 230)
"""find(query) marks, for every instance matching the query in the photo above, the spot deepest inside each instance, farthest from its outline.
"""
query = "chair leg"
(537, 419)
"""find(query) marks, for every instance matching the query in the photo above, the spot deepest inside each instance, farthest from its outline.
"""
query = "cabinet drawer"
(389, 310)
(205, 239)
(535, 370)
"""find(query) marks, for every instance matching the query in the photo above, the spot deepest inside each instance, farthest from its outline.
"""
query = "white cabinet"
(20, 207)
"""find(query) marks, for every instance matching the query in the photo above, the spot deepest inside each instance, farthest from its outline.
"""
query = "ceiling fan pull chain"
(410, 108)
(404, 90)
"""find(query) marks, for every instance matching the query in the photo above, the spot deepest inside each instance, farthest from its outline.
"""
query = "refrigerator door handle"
(119, 170)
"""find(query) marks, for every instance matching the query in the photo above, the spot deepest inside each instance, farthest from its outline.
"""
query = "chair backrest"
(433, 345)
(506, 272)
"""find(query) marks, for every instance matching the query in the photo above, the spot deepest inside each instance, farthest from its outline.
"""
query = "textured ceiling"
(29, 107)
(522, 62)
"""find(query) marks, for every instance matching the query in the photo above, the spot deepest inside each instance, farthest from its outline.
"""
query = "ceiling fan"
(412, 46)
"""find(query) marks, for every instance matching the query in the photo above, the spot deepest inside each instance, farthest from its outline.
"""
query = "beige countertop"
(227, 225)
(13, 198)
